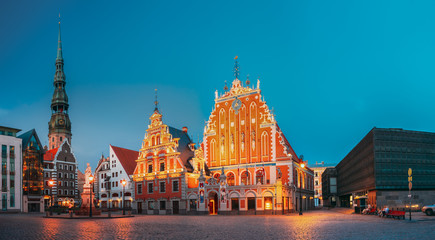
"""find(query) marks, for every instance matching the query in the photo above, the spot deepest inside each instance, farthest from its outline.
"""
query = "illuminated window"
(230, 179)
(245, 178)
(217, 177)
(268, 203)
(259, 177)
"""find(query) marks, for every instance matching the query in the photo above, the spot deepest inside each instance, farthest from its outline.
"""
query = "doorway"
(175, 207)
(139, 207)
(213, 203)
(234, 204)
(4, 202)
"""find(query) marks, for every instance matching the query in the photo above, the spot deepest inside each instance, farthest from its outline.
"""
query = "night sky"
(332, 70)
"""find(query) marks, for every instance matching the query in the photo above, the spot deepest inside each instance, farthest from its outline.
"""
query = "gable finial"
(156, 102)
(236, 67)
(226, 87)
(247, 80)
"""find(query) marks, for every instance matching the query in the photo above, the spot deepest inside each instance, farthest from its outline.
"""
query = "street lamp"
(300, 191)
(51, 184)
(91, 180)
(123, 182)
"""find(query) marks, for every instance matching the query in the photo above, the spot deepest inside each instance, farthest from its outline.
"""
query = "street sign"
(410, 186)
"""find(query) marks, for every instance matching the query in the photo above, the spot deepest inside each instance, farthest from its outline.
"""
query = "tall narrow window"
(230, 179)
(245, 178)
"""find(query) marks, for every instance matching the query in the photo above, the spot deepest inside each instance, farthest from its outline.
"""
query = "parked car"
(429, 210)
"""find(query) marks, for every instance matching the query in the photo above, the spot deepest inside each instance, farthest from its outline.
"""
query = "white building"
(11, 171)
(318, 169)
(110, 172)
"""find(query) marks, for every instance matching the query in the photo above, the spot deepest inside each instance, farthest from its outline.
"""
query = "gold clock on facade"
(61, 121)
(236, 105)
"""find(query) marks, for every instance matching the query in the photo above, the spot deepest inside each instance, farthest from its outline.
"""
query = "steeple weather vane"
(236, 68)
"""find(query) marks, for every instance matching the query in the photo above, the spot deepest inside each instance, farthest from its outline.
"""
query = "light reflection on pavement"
(320, 224)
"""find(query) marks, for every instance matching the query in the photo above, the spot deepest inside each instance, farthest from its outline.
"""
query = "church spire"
(59, 127)
(59, 44)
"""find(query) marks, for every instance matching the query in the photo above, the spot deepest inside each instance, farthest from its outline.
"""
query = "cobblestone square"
(320, 224)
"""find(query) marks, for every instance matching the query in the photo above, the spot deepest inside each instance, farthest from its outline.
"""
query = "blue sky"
(332, 70)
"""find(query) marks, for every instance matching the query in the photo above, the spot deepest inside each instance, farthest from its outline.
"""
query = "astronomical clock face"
(236, 105)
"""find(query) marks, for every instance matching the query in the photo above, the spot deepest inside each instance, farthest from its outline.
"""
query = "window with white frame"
(139, 188)
(150, 187)
(162, 187)
(175, 186)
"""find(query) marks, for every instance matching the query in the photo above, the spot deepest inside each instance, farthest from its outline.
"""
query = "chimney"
(184, 129)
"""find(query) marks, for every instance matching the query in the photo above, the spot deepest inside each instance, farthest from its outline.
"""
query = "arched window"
(213, 150)
(217, 177)
(259, 177)
(158, 139)
(264, 144)
(230, 179)
(245, 178)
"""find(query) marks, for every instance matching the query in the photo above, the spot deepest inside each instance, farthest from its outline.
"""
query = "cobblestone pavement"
(320, 224)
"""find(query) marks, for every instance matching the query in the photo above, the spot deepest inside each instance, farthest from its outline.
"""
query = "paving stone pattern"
(321, 224)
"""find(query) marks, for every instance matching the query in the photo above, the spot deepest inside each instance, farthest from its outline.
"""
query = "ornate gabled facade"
(164, 169)
(59, 126)
(253, 166)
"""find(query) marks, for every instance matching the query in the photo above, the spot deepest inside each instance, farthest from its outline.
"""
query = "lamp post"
(51, 184)
(300, 191)
(123, 182)
(91, 180)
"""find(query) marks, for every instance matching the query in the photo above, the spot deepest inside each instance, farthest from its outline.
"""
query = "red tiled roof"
(50, 154)
(127, 158)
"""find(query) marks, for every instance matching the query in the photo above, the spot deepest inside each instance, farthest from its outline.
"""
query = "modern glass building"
(376, 169)
(32, 172)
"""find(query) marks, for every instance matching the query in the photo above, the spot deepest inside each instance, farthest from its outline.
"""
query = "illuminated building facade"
(163, 170)
(318, 169)
(110, 173)
(33, 200)
(254, 170)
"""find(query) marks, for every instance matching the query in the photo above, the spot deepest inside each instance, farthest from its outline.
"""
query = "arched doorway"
(212, 203)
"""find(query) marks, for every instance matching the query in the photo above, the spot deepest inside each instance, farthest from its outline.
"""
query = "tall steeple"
(59, 127)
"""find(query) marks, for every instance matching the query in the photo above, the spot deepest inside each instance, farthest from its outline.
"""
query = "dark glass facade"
(32, 168)
(377, 167)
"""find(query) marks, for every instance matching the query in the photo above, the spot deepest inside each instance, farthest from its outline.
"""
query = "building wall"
(377, 168)
(63, 171)
(10, 174)
(118, 173)
(356, 171)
